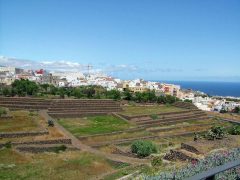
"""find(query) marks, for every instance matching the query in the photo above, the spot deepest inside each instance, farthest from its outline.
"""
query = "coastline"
(217, 89)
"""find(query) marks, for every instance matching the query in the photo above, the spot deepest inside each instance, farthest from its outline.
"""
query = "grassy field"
(21, 121)
(94, 125)
(232, 116)
(98, 139)
(66, 165)
(142, 110)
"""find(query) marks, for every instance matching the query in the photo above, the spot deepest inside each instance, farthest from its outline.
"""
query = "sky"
(152, 39)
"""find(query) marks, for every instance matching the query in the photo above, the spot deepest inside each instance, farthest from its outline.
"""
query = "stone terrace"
(63, 108)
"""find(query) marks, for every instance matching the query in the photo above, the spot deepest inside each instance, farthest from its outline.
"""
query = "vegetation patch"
(60, 148)
(156, 161)
(211, 161)
(216, 132)
(66, 165)
(94, 125)
(154, 116)
(149, 110)
(2, 111)
(234, 130)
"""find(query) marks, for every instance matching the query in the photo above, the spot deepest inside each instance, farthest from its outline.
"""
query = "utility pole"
(89, 66)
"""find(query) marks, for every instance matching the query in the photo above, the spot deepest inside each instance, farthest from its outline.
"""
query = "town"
(76, 79)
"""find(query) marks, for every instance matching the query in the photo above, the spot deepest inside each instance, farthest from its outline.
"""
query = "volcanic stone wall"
(23, 134)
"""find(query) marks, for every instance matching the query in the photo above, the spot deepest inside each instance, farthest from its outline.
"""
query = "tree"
(62, 92)
(89, 91)
(127, 95)
(25, 87)
(6, 91)
(45, 87)
(161, 99)
(236, 110)
(53, 89)
(223, 111)
(138, 97)
(76, 92)
(114, 94)
(151, 96)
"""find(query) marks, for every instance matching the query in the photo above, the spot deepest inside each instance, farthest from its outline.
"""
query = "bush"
(223, 111)
(156, 161)
(50, 123)
(235, 130)
(2, 111)
(216, 132)
(143, 148)
(187, 101)
(57, 149)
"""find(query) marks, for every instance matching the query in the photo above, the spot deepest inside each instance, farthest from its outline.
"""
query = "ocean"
(211, 88)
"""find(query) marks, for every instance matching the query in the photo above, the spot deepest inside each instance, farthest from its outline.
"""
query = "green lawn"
(94, 125)
(142, 110)
(65, 165)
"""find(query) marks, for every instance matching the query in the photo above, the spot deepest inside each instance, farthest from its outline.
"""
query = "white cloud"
(62, 65)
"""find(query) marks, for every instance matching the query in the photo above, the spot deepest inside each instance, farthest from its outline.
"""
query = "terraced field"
(91, 140)
(94, 125)
(170, 121)
(21, 121)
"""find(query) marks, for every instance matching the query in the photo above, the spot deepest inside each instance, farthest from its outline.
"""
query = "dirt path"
(79, 145)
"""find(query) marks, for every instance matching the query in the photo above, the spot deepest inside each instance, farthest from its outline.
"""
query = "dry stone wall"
(23, 134)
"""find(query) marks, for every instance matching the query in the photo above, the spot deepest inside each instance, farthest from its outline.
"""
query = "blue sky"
(150, 39)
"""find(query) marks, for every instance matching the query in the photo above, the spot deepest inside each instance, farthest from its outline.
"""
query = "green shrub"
(235, 130)
(154, 116)
(57, 149)
(8, 144)
(216, 132)
(2, 111)
(50, 123)
(143, 148)
(156, 161)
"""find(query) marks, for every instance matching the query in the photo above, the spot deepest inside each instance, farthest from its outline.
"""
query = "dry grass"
(28, 121)
(206, 146)
(21, 121)
(66, 165)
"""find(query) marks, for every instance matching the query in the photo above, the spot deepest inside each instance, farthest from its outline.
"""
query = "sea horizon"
(213, 88)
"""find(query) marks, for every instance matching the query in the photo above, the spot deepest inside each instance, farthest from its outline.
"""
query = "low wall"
(190, 148)
(43, 142)
(177, 155)
(23, 134)
(54, 141)
(33, 149)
